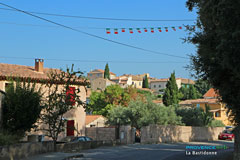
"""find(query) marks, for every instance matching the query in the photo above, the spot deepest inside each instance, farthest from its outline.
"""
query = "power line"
(93, 35)
(104, 18)
(94, 61)
(86, 27)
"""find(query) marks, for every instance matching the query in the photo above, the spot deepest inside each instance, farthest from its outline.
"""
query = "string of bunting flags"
(147, 29)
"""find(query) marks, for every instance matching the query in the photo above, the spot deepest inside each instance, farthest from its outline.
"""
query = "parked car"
(226, 135)
(81, 139)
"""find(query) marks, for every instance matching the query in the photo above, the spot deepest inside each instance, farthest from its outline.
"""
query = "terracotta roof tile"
(211, 93)
(194, 101)
(101, 71)
(91, 118)
(21, 71)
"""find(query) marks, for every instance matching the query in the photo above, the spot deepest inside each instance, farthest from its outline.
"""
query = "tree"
(202, 86)
(171, 94)
(21, 107)
(106, 72)
(113, 95)
(139, 113)
(145, 82)
(60, 98)
(217, 58)
(195, 116)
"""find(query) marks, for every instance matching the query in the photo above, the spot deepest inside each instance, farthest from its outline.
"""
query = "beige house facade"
(158, 85)
(99, 73)
(95, 121)
(76, 115)
(100, 84)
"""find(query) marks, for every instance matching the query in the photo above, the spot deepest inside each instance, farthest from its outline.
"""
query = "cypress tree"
(171, 95)
(145, 82)
(106, 72)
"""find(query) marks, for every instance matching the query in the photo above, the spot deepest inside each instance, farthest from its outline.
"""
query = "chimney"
(39, 65)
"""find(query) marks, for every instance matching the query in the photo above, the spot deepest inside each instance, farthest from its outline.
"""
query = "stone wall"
(24, 150)
(101, 133)
(158, 133)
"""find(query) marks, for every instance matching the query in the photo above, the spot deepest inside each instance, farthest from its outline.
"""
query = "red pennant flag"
(193, 27)
(130, 30)
(152, 30)
(166, 29)
(115, 31)
(139, 31)
(145, 30)
(180, 27)
(123, 29)
(174, 28)
(159, 29)
(108, 31)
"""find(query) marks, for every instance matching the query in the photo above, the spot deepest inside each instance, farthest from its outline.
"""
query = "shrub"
(216, 123)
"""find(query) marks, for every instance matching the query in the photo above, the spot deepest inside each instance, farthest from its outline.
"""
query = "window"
(217, 114)
(159, 86)
(70, 95)
(7, 85)
(140, 83)
(154, 86)
(198, 105)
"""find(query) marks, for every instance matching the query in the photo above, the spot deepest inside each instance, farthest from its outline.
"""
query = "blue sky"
(48, 41)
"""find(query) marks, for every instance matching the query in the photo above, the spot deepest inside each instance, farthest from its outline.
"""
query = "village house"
(100, 84)
(158, 85)
(210, 98)
(95, 121)
(75, 117)
(99, 73)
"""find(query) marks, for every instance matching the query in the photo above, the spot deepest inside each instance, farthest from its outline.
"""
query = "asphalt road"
(156, 152)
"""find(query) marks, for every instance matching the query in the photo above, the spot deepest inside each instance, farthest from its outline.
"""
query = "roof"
(91, 118)
(159, 80)
(194, 101)
(25, 72)
(186, 81)
(211, 93)
(100, 71)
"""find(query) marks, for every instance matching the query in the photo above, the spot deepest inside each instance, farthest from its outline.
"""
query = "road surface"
(157, 152)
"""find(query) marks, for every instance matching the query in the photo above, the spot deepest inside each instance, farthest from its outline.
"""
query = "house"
(37, 73)
(99, 73)
(218, 108)
(137, 80)
(100, 84)
(123, 81)
(158, 85)
(95, 121)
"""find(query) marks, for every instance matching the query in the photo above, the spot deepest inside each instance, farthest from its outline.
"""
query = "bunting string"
(148, 29)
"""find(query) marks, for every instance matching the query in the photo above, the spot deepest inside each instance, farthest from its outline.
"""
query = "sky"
(24, 38)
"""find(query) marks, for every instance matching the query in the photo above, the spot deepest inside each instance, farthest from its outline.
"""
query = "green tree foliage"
(216, 123)
(217, 58)
(102, 102)
(189, 93)
(106, 72)
(195, 116)
(140, 113)
(59, 100)
(145, 82)
(171, 94)
(202, 86)
(21, 107)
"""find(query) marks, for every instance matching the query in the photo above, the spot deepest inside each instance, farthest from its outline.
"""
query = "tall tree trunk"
(237, 143)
